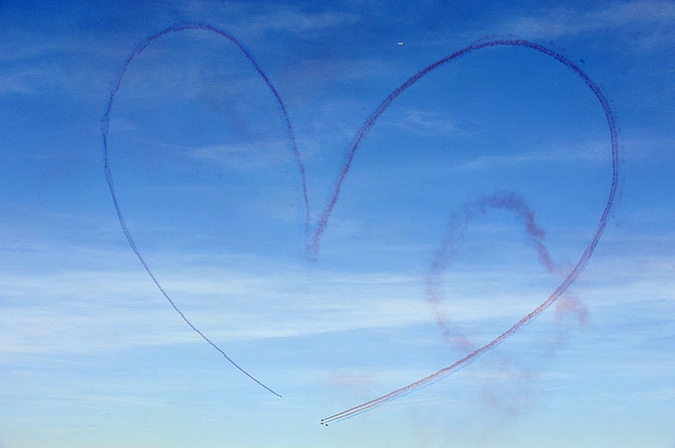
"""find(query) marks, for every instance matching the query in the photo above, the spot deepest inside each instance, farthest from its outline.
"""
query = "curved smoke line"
(571, 277)
(109, 177)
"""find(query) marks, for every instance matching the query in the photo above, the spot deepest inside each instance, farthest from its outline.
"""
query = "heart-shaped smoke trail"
(571, 277)
(313, 240)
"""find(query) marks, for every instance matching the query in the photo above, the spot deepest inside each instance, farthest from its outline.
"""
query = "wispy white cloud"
(263, 18)
(248, 156)
(80, 65)
(590, 151)
(80, 311)
(86, 311)
(38, 77)
(300, 22)
(652, 18)
(105, 308)
(428, 123)
(36, 60)
(22, 83)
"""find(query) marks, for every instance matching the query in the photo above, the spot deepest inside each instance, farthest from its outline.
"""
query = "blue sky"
(92, 355)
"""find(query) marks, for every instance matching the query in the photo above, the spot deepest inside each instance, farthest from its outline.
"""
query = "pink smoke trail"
(513, 202)
(571, 277)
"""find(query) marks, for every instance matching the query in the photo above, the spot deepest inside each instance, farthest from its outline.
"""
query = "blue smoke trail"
(109, 178)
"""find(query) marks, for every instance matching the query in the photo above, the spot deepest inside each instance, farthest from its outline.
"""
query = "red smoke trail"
(109, 177)
(571, 277)
(458, 223)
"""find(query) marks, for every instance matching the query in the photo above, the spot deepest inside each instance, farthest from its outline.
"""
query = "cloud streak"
(103, 308)
(87, 311)
(654, 18)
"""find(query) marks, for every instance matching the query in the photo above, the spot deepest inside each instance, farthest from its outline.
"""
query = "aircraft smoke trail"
(564, 285)
(322, 223)
(109, 177)
(458, 223)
